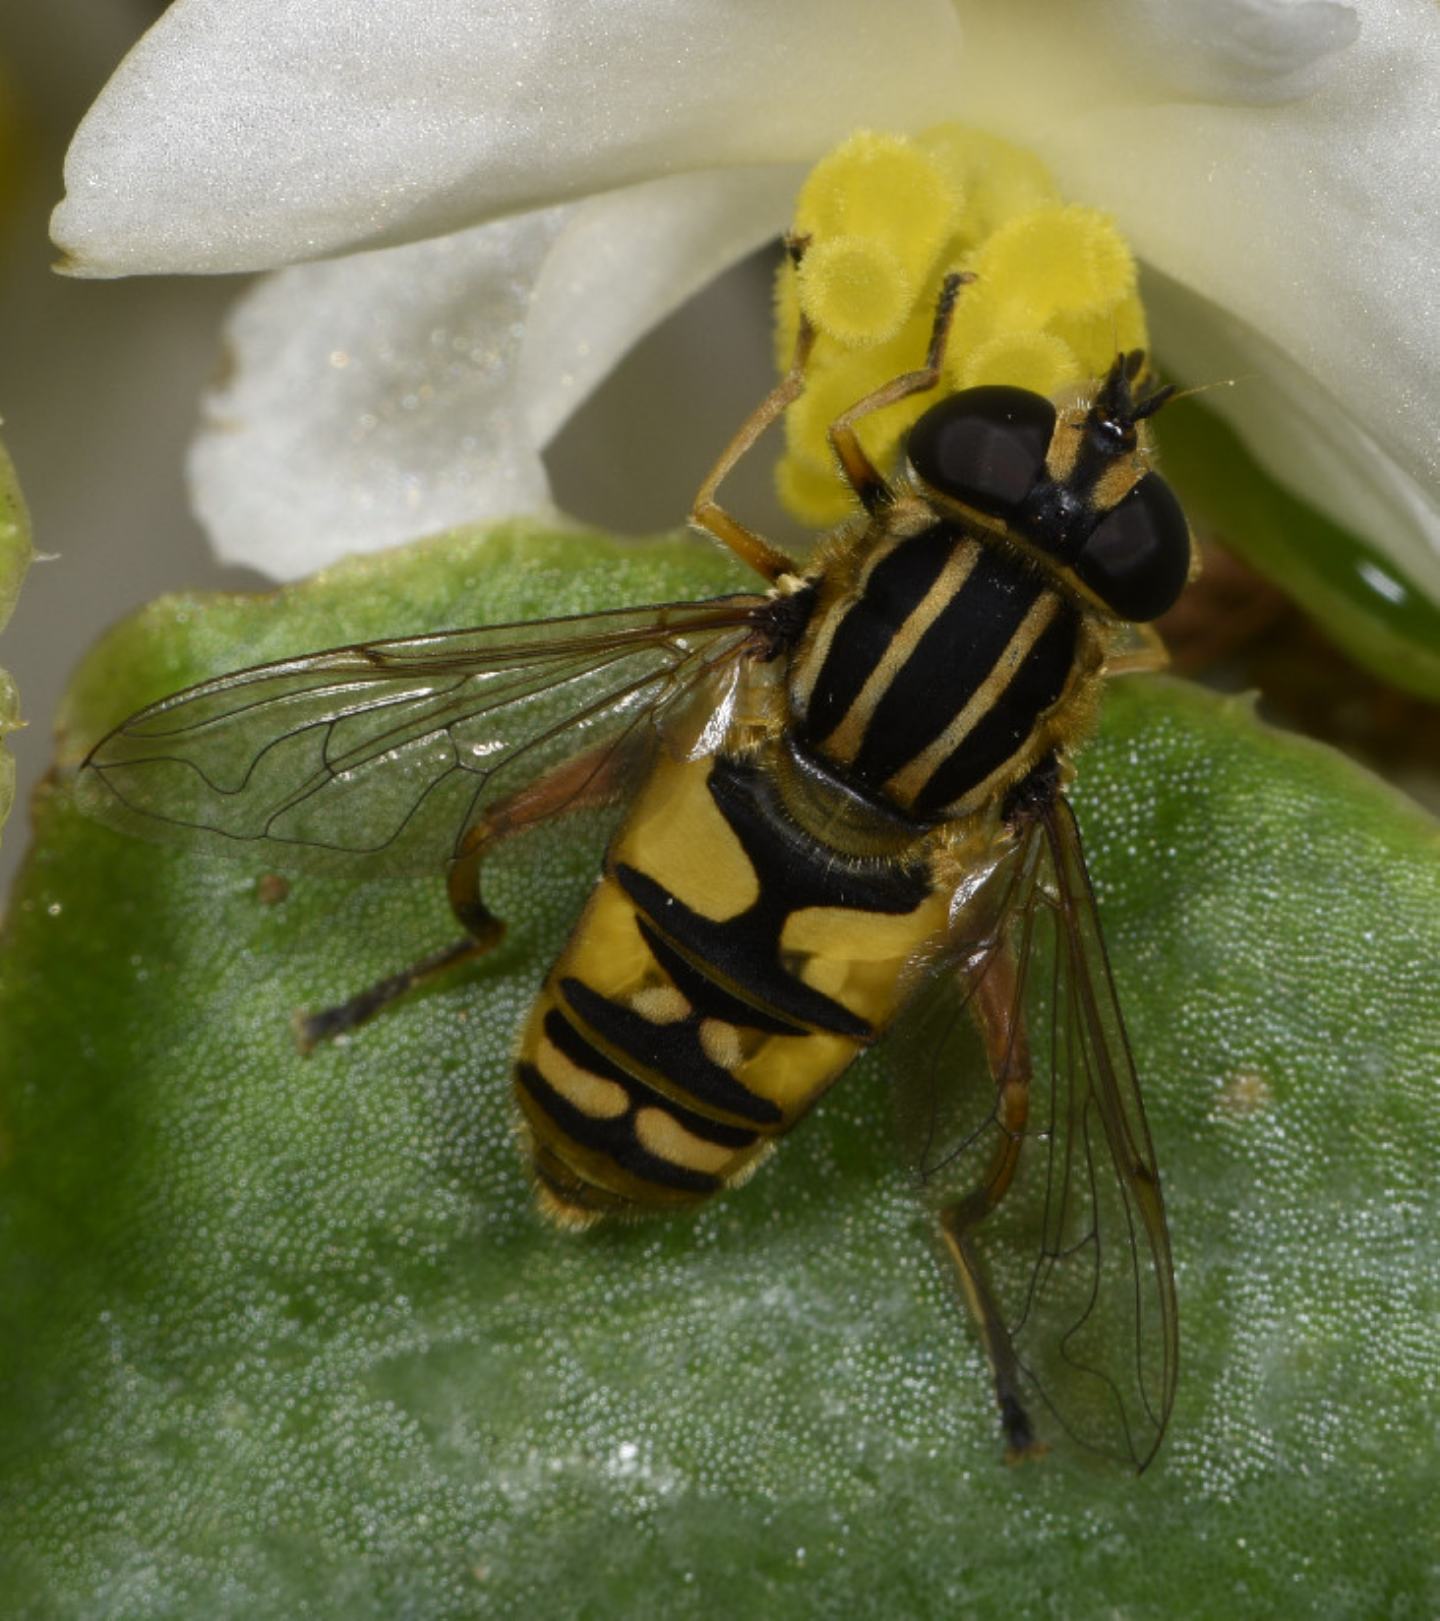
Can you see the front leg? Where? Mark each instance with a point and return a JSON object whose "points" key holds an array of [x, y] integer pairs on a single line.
{"points": [[867, 481], [706, 513]]}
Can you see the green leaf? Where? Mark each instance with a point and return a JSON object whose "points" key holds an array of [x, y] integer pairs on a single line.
{"points": [[1361, 598], [15, 556], [286, 1337]]}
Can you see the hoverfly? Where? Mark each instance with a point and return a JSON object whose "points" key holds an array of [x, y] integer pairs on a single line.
{"points": [[840, 805]]}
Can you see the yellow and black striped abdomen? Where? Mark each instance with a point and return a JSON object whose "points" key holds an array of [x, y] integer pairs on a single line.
{"points": [[726, 970], [925, 681]]}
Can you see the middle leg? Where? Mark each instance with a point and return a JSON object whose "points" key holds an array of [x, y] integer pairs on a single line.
{"points": [[864, 477]]}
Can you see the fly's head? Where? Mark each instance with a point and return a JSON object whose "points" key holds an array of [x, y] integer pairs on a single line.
{"points": [[1071, 484]]}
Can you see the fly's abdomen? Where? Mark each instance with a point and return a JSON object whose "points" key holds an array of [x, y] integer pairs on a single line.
{"points": [[925, 683], [724, 973]]}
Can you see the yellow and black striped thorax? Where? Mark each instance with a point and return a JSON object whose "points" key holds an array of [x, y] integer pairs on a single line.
{"points": [[928, 666], [949, 644]]}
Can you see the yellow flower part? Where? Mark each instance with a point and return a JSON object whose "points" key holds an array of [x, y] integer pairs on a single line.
{"points": [[998, 181], [885, 218], [856, 289], [877, 212], [1053, 261], [1036, 360]]}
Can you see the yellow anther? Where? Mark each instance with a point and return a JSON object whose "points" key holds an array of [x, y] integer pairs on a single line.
{"points": [[884, 188], [1053, 301], [1038, 361], [836, 380], [817, 496], [855, 289], [1057, 261], [1097, 339], [996, 180]]}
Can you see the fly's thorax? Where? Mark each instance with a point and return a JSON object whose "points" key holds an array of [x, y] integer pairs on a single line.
{"points": [[939, 664]]}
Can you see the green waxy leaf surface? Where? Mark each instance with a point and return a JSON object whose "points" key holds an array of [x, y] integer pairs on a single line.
{"points": [[286, 1338]]}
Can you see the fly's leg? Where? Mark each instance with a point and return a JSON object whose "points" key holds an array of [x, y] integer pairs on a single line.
{"points": [[861, 473], [587, 780], [1146, 653], [706, 513], [996, 1006]]}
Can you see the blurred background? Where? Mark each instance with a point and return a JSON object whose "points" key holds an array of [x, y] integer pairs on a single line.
{"points": [[99, 391], [100, 383]]}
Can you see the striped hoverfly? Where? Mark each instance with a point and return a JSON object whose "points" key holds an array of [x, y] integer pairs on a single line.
{"points": [[838, 814]]}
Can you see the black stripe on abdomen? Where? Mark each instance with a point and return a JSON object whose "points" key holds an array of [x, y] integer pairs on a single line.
{"points": [[570, 1041], [745, 950], [613, 1137], [792, 872], [672, 1051], [613, 1134], [710, 1000]]}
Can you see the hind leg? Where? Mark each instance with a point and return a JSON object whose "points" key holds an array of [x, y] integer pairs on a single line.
{"points": [[996, 1007], [587, 780]]}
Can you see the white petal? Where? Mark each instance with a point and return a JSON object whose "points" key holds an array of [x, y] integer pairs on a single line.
{"points": [[624, 261], [373, 399], [1302, 435], [411, 389], [1310, 221], [250, 133], [1237, 50]]}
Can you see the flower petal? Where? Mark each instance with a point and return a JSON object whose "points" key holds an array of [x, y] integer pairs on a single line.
{"points": [[1289, 184], [1305, 437], [251, 133], [373, 399], [624, 261], [1238, 50], [411, 389]]}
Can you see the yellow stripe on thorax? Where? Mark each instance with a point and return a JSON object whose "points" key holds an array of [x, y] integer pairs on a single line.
{"points": [[844, 740], [911, 778], [832, 607]]}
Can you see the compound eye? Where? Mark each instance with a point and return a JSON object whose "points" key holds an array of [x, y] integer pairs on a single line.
{"points": [[984, 446], [1137, 557]]}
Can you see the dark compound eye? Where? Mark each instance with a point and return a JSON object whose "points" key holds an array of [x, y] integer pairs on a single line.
{"points": [[984, 446], [1138, 556]]}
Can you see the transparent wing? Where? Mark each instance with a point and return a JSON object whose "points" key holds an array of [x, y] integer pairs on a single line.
{"points": [[387, 751], [1076, 1255]]}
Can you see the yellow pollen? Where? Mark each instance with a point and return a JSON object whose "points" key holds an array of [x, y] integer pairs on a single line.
{"points": [[885, 189], [886, 218], [1038, 361], [856, 289]]}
